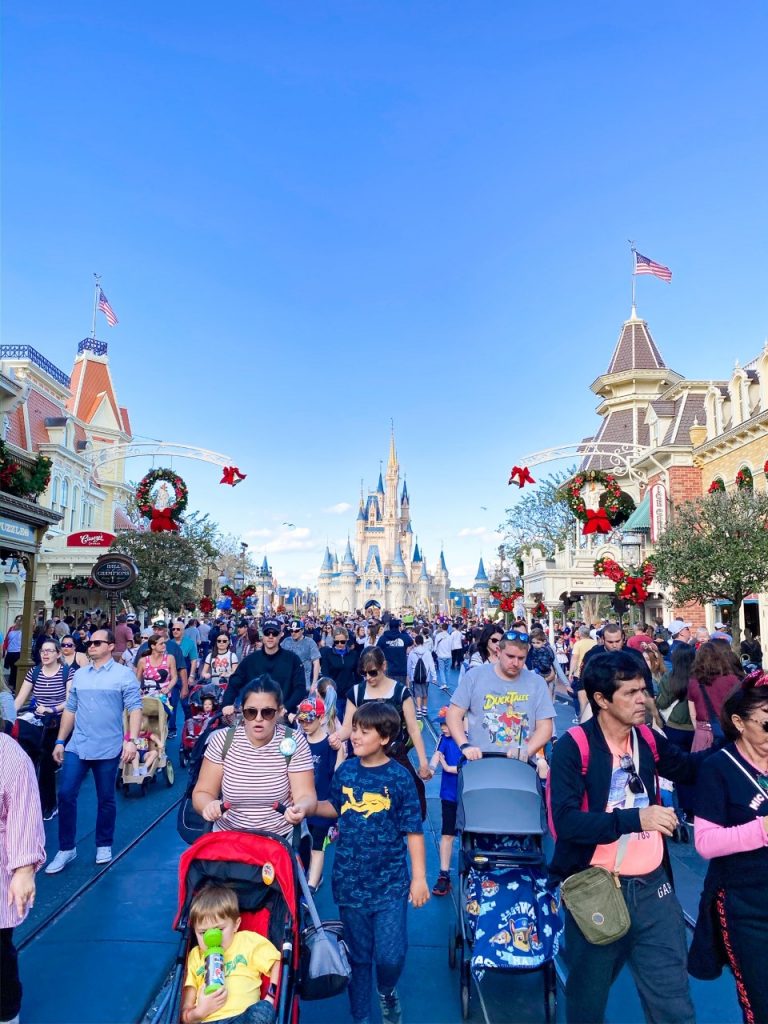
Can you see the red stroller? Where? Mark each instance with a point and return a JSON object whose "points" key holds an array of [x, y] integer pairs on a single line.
{"points": [[269, 904]]}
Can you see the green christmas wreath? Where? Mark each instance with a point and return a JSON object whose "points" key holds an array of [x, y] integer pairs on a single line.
{"points": [[144, 493], [22, 483], [618, 505]]}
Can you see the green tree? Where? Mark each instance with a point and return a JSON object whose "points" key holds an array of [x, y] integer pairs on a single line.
{"points": [[716, 548], [540, 519], [169, 567]]}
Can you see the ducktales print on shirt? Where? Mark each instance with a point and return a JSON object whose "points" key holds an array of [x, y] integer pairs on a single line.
{"points": [[505, 725], [370, 803]]}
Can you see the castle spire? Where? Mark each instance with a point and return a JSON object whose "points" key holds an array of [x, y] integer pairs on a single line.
{"points": [[392, 461]]}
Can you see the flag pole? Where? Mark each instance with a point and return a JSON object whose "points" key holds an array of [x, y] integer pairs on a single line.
{"points": [[97, 288], [634, 275]]}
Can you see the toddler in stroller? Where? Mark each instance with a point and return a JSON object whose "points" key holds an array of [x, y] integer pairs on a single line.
{"points": [[508, 919], [203, 708]]}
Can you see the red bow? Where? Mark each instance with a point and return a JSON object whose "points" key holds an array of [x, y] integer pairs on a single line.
{"points": [[523, 475], [161, 521], [232, 476], [634, 591], [597, 522]]}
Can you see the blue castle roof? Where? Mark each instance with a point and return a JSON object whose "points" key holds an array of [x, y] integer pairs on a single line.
{"points": [[482, 576]]}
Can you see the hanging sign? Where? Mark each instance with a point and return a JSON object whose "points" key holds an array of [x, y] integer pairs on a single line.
{"points": [[659, 509], [90, 539], [114, 572]]}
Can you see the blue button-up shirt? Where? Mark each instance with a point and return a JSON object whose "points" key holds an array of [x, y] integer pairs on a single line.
{"points": [[98, 697]]}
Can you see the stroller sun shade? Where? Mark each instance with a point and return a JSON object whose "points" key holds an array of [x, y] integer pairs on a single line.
{"points": [[500, 795]]}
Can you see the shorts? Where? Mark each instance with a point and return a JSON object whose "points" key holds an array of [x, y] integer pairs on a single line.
{"points": [[319, 834], [449, 817], [420, 690]]}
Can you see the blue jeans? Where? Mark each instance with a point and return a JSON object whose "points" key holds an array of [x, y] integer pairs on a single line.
{"points": [[443, 664], [71, 776], [374, 936], [262, 1012]]}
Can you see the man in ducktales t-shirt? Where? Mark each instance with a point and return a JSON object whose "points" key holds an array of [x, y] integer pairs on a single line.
{"points": [[508, 707]]}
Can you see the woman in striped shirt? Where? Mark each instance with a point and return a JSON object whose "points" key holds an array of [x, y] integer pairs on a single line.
{"points": [[262, 766], [47, 684]]}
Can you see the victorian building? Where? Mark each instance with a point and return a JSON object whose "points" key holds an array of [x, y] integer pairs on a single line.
{"points": [[387, 564], [74, 419], [666, 438]]}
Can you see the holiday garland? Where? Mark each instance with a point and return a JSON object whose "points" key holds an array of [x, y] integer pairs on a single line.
{"points": [[20, 482], [167, 518], [631, 584], [206, 605], [539, 610], [744, 479], [67, 583], [618, 506], [717, 486], [506, 601]]}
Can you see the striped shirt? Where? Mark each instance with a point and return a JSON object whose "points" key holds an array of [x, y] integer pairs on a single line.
{"points": [[22, 839], [50, 691], [255, 778]]}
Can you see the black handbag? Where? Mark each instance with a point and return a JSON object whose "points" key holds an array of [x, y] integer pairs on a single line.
{"points": [[325, 966]]}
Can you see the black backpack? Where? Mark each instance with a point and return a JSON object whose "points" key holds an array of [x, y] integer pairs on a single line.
{"points": [[403, 741], [189, 824], [420, 676]]}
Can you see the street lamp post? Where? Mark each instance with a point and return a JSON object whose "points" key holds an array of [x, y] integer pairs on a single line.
{"points": [[631, 553], [506, 589]]}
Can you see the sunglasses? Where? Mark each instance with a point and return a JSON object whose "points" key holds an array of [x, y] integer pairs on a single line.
{"points": [[65, 646], [177, 629], [94, 643], [494, 639], [371, 672], [271, 632], [516, 634], [251, 714], [634, 783]]}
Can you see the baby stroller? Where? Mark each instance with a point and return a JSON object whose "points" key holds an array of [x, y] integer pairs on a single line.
{"points": [[149, 767], [262, 869], [508, 920], [198, 721]]}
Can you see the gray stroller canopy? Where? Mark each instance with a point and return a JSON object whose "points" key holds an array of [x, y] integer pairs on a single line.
{"points": [[500, 796]]}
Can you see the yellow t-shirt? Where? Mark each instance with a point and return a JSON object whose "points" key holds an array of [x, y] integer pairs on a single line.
{"points": [[247, 959]]}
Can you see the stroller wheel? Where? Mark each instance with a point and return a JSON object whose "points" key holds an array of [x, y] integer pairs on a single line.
{"points": [[169, 773], [452, 940], [182, 757], [465, 1000], [550, 993]]}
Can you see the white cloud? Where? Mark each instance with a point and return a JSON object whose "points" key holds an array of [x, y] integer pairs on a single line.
{"points": [[339, 509], [298, 539], [485, 535], [257, 533]]}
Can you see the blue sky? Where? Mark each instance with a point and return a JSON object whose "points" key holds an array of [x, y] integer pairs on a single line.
{"points": [[312, 217]]}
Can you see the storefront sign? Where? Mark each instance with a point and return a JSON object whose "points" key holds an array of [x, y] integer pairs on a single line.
{"points": [[11, 530], [90, 539], [114, 572], [659, 510]]}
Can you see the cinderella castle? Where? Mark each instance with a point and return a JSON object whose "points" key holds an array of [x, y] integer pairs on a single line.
{"points": [[387, 565]]}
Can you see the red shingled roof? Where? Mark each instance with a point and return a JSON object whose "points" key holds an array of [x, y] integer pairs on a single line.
{"points": [[90, 384], [40, 406], [16, 431]]}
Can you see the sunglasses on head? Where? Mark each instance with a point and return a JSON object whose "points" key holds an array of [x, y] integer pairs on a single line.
{"points": [[251, 714], [516, 634], [634, 783]]}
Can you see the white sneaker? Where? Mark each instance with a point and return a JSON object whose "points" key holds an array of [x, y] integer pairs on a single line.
{"points": [[103, 854], [60, 861]]}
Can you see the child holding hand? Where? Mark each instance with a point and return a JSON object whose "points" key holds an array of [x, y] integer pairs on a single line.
{"points": [[247, 956], [376, 802], [448, 756]]}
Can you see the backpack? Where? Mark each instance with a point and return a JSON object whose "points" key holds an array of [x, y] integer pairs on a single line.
{"points": [[189, 824], [578, 734], [396, 701], [420, 675]]}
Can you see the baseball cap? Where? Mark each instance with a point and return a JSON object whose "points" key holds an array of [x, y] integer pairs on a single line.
{"points": [[159, 624], [242, 623], [678, 626], [442, 714], [272, 624], [638, 643], [311, 708], [394, 623], [296, 625]]}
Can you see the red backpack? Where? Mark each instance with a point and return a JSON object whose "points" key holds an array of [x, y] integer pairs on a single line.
{"points": [[579, 736]]}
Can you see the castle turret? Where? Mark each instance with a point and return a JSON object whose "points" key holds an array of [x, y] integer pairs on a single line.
{"points": [[482, 586], [398, 581], [348, 581]]}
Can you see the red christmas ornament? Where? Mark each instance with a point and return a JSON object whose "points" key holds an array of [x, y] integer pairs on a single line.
{"points": [[232, 476], [162, 521], [521, 476]]}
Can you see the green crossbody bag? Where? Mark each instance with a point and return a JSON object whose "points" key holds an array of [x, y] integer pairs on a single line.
{"points": [[594, 897]]}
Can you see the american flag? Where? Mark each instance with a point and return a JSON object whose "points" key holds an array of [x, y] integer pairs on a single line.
{"points": [[645, 266], [106, 309]]}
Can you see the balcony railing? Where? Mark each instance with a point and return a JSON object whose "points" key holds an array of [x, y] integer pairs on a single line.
{"points": [[99, 348], [27, 352]]}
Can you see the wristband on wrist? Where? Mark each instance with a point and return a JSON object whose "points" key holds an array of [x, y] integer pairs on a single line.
{"points": [[465, 745], [62, 742]]}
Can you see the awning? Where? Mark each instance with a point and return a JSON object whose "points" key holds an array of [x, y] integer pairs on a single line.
{"points": [[641, 517]]}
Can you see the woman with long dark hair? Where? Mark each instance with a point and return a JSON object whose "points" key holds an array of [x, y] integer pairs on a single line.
{"points": [[488, 645], [713, 680], [672, 699], [731, 828]]}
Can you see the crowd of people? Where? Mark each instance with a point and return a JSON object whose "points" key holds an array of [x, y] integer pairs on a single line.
{"points": [[323, 736]]}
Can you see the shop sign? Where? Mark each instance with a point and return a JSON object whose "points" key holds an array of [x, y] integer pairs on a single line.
{"points": [[90, 539], [659, 507], [114, 572], [11, 530]]}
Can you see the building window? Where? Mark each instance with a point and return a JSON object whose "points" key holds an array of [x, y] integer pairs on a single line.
{"points": [[64, 493], [55, 492], [83, 514], [75, 508], [90, 515]]}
